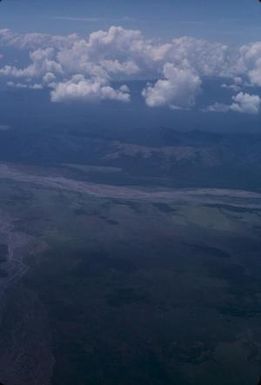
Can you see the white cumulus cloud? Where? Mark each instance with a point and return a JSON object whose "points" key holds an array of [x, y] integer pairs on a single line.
{"points": [[80, 88], [87, 66], [246, 103], [178, 88], [242, 102]]}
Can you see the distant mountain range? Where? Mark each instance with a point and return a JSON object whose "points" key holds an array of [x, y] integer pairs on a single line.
{"points": [[167, 157]]}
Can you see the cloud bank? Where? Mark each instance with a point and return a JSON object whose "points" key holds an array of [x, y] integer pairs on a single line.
{"points": [[85, 68]]}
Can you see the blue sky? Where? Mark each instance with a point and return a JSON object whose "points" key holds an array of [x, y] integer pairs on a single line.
{"points": [[236, 21]]}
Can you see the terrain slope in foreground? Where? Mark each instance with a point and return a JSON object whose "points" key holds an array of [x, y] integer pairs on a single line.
{"points": [[112, 285]]}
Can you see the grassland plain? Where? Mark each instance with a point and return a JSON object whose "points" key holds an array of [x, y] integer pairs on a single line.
{"points": [[104, 285]]}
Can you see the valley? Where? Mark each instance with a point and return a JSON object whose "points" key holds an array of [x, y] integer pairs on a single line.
{"points": [[127, 284]]}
